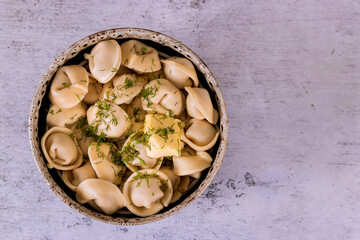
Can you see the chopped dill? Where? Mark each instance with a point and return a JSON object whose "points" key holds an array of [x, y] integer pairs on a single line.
{"points": [[51, 112], [78, 96], [164, 132], [164, 185], [72, 118], [143, 50], [114, 171], [66, 85], [128, 83], [148, 92]]}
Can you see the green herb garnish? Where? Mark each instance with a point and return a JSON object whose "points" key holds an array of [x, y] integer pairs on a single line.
{"points": [[148, 92], [164, 132], [50, 112], [66, 85], [72, 118], [143, 50]]}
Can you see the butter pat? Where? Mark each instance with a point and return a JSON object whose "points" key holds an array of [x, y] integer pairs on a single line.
{"points": [[165, 134]]}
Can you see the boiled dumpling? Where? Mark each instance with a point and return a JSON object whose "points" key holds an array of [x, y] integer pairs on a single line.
{"points": [[122, 89], [188, 165], [104, 60], [62, 117], [140, 57], [61, 149], [199, 105], [134, 153], [200, 134], [147, 192], [163, 97], [69, 86], [101, 159], [101, 194], [109, 119], [73, 178], [180, 71]]}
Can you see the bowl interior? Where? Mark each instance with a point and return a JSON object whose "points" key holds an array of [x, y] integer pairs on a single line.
{"points": [[69, 197]]}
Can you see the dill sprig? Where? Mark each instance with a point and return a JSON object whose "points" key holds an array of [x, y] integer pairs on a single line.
{"points": [[128, 154], [164, 132], [128, 83], [147, 93], [87, 130], [143, 50], [104, 113], [164, 185], [51, 111], [66, 85], [140, 176]]}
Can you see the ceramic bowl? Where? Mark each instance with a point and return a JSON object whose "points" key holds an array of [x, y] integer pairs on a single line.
{"points": [[74, 55]]}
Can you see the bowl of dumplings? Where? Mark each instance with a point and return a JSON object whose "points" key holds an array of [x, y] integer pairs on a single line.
{"points": [[128, 126]]}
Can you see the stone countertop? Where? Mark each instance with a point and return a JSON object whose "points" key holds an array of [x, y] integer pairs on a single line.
{"points": [[290, 75]]}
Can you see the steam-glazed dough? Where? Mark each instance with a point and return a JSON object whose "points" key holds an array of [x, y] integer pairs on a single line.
{"points": [[109, 119], [199, 105], [140, 57], [147, 192], [180, 71], [122, 89], [187, 165], [200, 134], [106, 196], [69, 86], [62, 117], [73, 178], [134, 153], [104, 60], [60, 149], [101, 159], [94, 90], [164, 97]]}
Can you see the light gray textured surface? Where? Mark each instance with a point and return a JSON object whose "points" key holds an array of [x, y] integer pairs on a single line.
{"points": [[289, 71]]}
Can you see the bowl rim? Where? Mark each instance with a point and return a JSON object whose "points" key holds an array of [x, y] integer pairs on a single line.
{"points": [[124, 33]]}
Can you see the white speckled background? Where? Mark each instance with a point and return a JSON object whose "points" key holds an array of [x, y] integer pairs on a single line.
{"points": [[289, 71]]}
